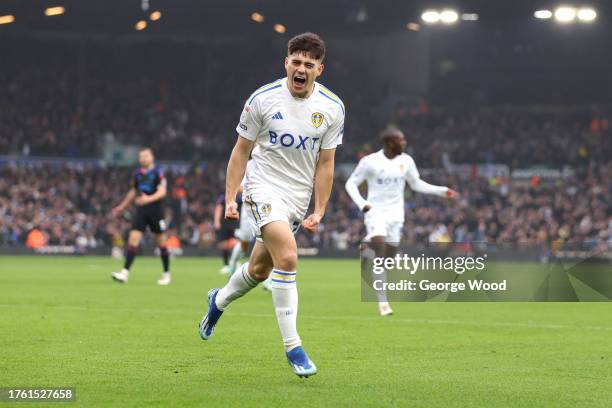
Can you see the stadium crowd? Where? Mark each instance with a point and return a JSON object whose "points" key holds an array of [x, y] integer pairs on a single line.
{"points": [[71, 206], [178, 123], [63, 110], [81, 110]]}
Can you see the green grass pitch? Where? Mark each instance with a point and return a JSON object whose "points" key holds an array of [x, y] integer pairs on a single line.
{"points": [[63, 322]]}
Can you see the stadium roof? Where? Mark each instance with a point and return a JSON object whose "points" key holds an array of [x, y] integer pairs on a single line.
{"points": [[227, 17]]}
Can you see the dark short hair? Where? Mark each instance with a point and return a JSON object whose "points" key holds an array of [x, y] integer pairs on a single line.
{"points": [[149, 149], [307, 43], [389, 133]]}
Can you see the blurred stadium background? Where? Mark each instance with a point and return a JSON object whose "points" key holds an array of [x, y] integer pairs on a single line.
{"points": [[507, 102]]}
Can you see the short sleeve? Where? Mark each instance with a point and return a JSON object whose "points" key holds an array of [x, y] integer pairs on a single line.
{"points": [[250, 120], [335, 133]]}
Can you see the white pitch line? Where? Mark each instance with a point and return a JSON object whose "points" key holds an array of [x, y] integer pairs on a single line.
{"points": [[446, 322], [529, 325]]}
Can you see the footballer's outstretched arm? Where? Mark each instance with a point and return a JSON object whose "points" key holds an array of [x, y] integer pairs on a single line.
{"points": [[424, 187], [324, 179], [129, 197], [235, 172], [352, 186], [420, 186]]}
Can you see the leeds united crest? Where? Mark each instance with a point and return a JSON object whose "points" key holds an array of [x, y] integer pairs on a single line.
{"points": [[317, 119]]}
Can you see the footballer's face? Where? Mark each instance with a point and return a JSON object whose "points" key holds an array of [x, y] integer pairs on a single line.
{"points": [[397, 143], [145, 158], [302, 71]]}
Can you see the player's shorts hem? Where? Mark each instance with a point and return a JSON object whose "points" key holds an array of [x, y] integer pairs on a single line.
{"points": [[267, 221], [243, 235], [368, 238], [391, 230]]}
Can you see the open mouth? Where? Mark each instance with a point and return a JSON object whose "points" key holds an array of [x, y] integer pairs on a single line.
{"points": [[299, 81]]}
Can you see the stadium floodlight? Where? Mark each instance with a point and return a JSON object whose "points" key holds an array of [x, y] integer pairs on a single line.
{"points": [[449, 16], [565, 14], [587, 15], [543, 14], [257, 17], [413, 26], [279, 28], [430, 16], [141, 25], [470, 17], [7, 19], [54, 11], [156, 15]]}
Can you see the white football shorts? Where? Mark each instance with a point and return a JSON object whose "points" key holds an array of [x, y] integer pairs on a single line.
{"points": [[246, 230], [264, 208], [381, 225]]}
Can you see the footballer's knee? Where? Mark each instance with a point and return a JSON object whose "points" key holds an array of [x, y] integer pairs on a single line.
{"points": [[377, 243], [286, 261], [160, 239], [134, 238], [259, 271]]}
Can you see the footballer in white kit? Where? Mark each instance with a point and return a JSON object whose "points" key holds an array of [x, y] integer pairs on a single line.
{"points": [[288, 133], [290, 129], [386, 173]]}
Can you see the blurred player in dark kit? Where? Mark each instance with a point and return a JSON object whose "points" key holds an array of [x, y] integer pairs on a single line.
{"points": [[148, 192]]}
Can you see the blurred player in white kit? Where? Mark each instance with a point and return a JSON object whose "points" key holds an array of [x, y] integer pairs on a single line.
{"points": [[386, 173]]}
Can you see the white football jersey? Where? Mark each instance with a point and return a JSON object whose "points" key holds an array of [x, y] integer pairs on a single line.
{"points": [[386, 179], [288, 133]]}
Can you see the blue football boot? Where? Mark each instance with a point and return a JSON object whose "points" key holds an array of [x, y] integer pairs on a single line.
{"points": [[301, 365], [210, 319]]}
